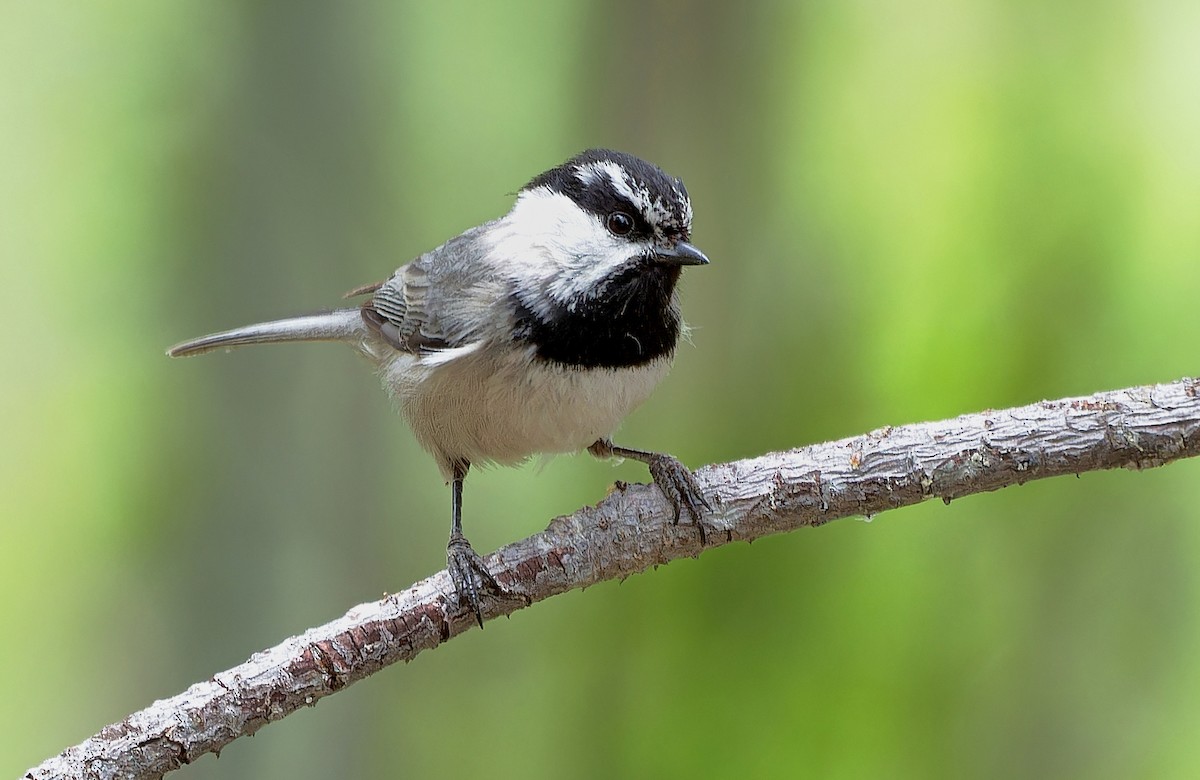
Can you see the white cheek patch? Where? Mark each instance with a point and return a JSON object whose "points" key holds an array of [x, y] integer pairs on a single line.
{"points": [[548, 243], [566, 287]]}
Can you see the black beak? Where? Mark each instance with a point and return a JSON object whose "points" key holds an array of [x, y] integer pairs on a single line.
{"points": [[682, 253]]}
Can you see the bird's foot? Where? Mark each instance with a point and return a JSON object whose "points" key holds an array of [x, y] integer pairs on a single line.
{"points": [[470, 575], [678, 484]]}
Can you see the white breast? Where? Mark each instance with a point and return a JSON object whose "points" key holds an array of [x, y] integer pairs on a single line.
{"points": [[484, 408]]}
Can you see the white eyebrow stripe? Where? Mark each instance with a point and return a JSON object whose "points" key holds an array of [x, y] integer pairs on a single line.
{"points": [[638, 197], [588, 173], [655, 210]]}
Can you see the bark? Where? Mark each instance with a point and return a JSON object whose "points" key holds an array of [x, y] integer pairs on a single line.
{"points": [[632, 530]]}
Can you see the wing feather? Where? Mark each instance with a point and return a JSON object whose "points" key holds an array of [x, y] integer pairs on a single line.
{"points": [[439, 301]]}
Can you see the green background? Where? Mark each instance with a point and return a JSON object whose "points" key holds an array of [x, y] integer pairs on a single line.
{"points": [[914, 210]]}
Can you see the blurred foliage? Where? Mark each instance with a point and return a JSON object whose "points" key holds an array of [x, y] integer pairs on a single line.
{"points": [[915, 209]]}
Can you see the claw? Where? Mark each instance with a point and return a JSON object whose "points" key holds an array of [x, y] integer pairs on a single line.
{"points": [[469, 575], [680, 487]]}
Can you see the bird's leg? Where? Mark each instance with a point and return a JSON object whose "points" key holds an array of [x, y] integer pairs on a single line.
{"points": [[467, 570], [672, 477]]}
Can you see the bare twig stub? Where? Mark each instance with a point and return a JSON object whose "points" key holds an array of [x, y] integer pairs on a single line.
{"points": [[631, 531]]}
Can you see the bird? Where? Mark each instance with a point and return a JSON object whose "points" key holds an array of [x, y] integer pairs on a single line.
{"points": [[535, 333]]}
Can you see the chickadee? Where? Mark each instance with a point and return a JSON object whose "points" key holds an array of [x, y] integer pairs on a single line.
{"points": [[534, 333]]}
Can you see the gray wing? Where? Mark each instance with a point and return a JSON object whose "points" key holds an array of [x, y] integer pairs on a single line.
{"points": [[442, 300]]}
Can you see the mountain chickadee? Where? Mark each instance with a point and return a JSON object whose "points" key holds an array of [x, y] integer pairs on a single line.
{"points": [[534, 333]]}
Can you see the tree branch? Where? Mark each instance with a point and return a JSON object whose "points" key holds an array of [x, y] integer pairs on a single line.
{"points": [[631, 531]]}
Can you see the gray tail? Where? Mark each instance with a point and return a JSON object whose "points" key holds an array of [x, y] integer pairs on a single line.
{"points": [[338, 325]]}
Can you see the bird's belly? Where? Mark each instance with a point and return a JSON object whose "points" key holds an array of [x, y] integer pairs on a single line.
{"points": [[480, 408]]}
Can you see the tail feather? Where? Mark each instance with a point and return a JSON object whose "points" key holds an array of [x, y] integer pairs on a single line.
{"points": [[338, 325]]}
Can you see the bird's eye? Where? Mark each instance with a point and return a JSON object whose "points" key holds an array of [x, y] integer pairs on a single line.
{"points": [[620, 223]]}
